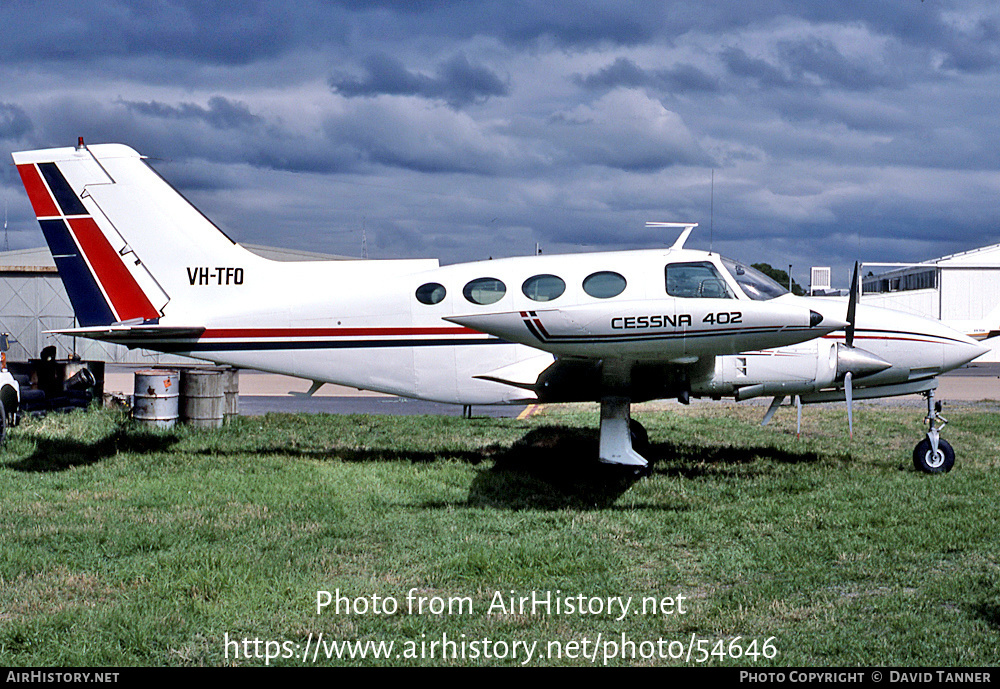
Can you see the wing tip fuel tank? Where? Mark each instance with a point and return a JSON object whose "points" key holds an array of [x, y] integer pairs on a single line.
{"points": [[655, 329]]}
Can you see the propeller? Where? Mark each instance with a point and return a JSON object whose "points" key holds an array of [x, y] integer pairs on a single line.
{"points": [[852, 308], [798, 416], [850, 404], [852, 362]]}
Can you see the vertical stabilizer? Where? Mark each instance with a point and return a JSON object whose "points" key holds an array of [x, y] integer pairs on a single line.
{"points": [[122, 238]]}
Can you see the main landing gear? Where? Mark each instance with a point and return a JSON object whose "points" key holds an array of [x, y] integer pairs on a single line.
{"points": [[620, 435], [933, 454]]}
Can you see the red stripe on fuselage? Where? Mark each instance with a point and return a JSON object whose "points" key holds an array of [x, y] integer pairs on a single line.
{"points": [[38, 193], [127, 298], [212, 333], [910, 338]]}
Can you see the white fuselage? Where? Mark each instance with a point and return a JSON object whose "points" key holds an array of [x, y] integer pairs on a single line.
{"points": [[361, 324]]}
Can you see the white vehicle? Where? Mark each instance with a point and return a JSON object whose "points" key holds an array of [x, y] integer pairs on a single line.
{"points": [[10, 391], [143, 267]]}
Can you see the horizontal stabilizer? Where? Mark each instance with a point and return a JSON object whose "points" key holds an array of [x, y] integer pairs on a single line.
{"points": [[125, 334]]}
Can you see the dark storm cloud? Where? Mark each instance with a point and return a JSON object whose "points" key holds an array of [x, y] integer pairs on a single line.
{"points": [[414, 134], [221, 113], [220, 32], [820, 59], [755, 68], [975, 50], [456, 81], [590, 115], [811, 63], [212, 31], [622, 72], [681, 78], [589, 22], [627, 130], [223, 132], [14, 121]]}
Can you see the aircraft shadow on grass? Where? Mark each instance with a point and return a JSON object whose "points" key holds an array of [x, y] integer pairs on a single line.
{"points": [[989, 612], [556, 467], [60, 454], [552, 467]]}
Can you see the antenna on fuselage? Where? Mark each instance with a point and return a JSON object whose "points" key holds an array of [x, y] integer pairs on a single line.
{"points": [[711, 215], [688, 226]]}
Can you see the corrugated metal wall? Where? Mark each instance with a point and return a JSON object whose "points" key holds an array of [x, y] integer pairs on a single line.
{"points": [[33, 301], [969, 293]]}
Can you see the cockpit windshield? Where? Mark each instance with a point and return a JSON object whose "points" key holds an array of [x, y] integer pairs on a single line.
{"points": [[754, 283]]}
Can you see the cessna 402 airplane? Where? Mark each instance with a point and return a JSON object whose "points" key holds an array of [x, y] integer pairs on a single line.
{"points": [[144, 268]]}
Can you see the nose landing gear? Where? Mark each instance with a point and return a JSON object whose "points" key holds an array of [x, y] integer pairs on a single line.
{"points": [[933, 454]]}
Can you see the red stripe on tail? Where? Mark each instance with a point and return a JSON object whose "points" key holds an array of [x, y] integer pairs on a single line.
{"points": [[38, 193], [127, 298]]}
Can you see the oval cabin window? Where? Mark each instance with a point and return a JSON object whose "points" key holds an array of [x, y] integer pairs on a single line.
{"points": [[431, 293], [543, 287], [484, 291], [604, 285]]}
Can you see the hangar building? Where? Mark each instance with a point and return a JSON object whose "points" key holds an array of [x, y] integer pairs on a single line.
{"points": [[33, 300], [963, 290]]}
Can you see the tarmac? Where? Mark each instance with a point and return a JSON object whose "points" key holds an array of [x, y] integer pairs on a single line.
{"points": [[973, 383], [261, 393]]}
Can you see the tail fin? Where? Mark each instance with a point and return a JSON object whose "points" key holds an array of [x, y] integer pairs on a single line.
{"points": [[985, 328], [122, 238]]}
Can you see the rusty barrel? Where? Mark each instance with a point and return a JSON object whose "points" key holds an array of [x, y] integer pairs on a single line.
{"points": [[155, 400]]}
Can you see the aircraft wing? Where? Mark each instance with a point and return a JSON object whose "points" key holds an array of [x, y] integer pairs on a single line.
{"points": [[872, 392]]}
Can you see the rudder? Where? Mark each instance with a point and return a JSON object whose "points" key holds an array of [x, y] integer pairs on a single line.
{"points": [[100, 286], [121, 237]]}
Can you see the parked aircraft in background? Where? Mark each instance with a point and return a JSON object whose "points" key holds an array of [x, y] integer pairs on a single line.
{"points": [[144, 268], [985, 328]]}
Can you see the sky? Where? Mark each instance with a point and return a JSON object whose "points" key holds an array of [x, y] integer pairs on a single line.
{"points": [[803, 133]]}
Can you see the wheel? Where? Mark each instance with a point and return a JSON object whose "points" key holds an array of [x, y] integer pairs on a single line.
{"points": [[3, 424], [638, 435], [928, 461]]}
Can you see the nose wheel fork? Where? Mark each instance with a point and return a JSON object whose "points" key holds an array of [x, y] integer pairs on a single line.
{"points": [[933, 454]]}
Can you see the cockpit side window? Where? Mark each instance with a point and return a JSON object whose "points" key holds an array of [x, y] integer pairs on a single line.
{"points": [[698, 279], [754, 283]]}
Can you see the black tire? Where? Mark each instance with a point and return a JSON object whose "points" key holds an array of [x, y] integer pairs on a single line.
{"points": [[3, 424], [926, 461], [639, 436]]}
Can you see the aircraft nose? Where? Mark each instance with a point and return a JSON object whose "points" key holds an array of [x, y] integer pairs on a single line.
{"points": [[829, 323], [961, 352]]}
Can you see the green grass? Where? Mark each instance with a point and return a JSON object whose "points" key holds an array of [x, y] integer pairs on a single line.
{"points": [[123, 546]]}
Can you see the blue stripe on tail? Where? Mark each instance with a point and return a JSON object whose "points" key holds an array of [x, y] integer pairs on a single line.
{"points": [[84, 293]]}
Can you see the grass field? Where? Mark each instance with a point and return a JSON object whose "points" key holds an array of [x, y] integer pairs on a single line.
{"points": [[746, 546]]}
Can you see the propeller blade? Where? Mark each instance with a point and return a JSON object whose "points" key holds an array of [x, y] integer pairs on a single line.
{"points": [[798, 416], [850, 402], [852, 305], [775, 403]]}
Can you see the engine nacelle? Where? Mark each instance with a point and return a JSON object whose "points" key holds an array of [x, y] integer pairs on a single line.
{"points": [[795, 370]]}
